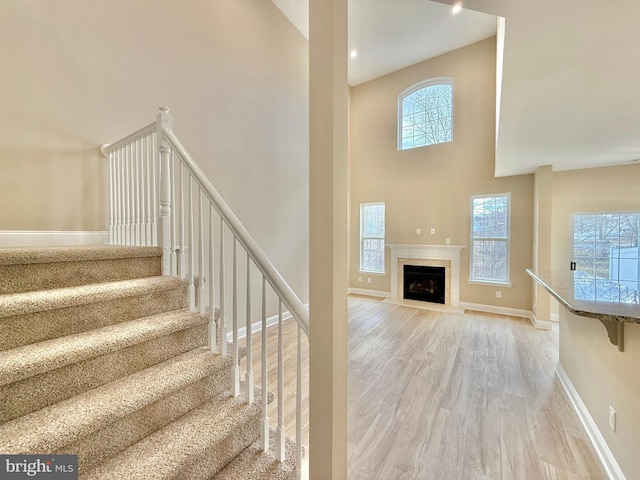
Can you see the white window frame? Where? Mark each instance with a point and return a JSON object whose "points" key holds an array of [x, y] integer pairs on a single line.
{"points": [[414, 88], [363, 238], [572, 246], [507, 240]]}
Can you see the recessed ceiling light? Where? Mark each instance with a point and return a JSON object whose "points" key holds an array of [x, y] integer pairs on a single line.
{"points": [[457, 8], [353, 53]]}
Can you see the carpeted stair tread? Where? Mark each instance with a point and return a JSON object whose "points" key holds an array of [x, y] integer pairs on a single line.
{"points": [[24, 303], [30, 255], [52, 427], [30, 360], [254, 464], [182, 448], [24, 270]]}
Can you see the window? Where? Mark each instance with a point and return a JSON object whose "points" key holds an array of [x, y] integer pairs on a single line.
{"points": [[606, 253], [425, 114], [490, 225], [372, 237]]}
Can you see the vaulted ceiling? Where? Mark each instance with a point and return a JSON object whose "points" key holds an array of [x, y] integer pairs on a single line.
{"points": [[570, 93]]}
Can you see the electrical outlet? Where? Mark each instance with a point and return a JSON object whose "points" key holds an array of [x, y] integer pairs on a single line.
{"points": [[359, 279], [418, 231], [433, 231], [612, 418], [447, 241], [498, 294], [368, 279]]}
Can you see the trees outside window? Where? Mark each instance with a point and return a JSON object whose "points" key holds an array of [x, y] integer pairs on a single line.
{"points": [[490, 236], [372, 237], [607, 256], [425, 114]]}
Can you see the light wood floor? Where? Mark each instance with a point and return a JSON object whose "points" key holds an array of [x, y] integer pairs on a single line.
{"points": [[440, 396]]}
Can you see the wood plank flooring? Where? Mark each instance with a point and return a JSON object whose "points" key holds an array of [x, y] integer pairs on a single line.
{"points": [[447, 397]]}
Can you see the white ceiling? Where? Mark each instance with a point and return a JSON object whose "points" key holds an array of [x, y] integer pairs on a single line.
{"points": [[390, 35], [571, 72]]}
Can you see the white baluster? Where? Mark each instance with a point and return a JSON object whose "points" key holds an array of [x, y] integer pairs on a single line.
{"points": [[213, 332], [144, 163], [264, 422], [120, 198], [112, 199], [125, 176], [163, 120], [235, 389], [177, 214], [249, 325], [153, 207], [223, 324], [131, 192], [182, 261], [299, 406], [202, 292], [280, 430], [192, 250], [141, 191], [165, 210], [136, 190]]}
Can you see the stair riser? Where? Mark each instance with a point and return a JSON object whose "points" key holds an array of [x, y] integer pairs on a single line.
{"points": [[219, 454], [28, 395], [44, 276], [20, 330], [116, 437]]}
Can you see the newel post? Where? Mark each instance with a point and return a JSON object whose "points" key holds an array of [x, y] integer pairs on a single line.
{"points": [[164, 120]]}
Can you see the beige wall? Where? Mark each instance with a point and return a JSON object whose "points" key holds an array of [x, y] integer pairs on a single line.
{"points": [[607, 189], [78, 73], [430, 187], [601, 374]]}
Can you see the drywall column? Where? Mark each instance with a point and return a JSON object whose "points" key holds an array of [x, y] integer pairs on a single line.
{"points": [[328, 110], [542, 203]]}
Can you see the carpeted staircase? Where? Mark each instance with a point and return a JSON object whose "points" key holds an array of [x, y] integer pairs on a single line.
{"points": [[100, 357]]}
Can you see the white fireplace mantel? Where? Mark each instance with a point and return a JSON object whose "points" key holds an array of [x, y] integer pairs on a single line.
{"points": [[426, 252]]}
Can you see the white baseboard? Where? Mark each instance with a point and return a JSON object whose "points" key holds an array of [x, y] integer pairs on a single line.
{"points": [[602, 449], [29, 238], [541, 324], [369, 293], [514, 312], [257, 326]]}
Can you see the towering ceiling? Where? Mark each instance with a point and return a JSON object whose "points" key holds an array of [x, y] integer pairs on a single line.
{"points": [[570, 93]]}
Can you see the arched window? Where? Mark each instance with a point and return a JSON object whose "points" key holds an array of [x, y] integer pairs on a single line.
{"points": [[425, 113]]}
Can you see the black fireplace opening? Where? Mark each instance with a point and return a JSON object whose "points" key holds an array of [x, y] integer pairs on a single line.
{"points": [[424, 283]]}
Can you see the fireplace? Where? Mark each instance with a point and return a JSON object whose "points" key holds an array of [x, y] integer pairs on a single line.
{"points": [[446, 257], [424, 283]]}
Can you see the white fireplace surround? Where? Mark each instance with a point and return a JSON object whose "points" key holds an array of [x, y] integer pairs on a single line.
{"points": [[400, 253]]}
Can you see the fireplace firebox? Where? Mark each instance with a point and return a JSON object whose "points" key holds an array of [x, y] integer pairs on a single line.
{"points": [[424, 283]]}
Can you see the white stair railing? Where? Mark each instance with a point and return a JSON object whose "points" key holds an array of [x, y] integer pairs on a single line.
{"points": [[151, 171]]}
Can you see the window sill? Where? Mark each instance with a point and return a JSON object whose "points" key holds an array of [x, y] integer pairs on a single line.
{"points": [[489, 282], [365, 272]]}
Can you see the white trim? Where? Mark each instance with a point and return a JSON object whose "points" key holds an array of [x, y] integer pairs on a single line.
{"points": [[597, 440], [541, 324], [368, 293], [429, 82], [257, 326], [363, 207], [506, 240], [29, 238], [554, 317], [514, 312]]}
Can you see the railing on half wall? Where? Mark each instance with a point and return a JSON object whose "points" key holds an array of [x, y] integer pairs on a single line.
{"points": [[160, 197]]}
